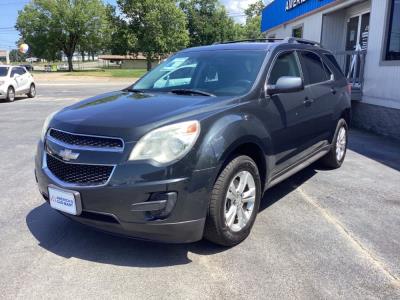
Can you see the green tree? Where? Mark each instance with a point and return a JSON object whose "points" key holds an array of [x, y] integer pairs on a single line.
{"points": [[50, 26], [122, 40], [255, 9], [16, 56], [160, 26], [252, 28], [208, 22]]}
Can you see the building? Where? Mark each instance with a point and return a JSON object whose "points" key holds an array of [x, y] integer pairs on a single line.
{"points": [[4, 57], [365, 37], [138, 61]]}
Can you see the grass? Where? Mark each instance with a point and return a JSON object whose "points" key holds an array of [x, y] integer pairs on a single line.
{"points": [[121, 73]]}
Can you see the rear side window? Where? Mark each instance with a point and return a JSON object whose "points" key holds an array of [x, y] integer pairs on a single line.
{"points": [[285, 65], [334, 62], [313, 68], [21, 71]]}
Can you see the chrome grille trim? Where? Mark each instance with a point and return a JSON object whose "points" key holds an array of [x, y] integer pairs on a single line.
{"points": [[87, 148]]}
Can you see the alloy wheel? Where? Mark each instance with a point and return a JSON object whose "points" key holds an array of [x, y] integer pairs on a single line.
{"points": [[11, 95], [239, 201], [341, 143], [32, 91]]}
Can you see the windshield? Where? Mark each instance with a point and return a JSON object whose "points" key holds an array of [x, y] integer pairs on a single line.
{"points": [[221, 73], [3, 71]]}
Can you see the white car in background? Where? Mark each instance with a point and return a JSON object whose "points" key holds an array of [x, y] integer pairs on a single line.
{"points": [[15, 81]]}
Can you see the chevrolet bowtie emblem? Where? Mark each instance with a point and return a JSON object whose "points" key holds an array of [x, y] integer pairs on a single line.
{"points": [[68, 155]]}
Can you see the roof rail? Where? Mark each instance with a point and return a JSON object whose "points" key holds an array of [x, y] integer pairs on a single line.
{"points": [[293, 40], [289, 40], [249, 40]]}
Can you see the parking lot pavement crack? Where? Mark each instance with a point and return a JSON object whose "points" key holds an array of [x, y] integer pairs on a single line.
{"points": [[364, 251]]}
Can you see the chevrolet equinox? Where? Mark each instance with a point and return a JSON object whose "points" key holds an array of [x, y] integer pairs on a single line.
{"points": [[189, 149]]}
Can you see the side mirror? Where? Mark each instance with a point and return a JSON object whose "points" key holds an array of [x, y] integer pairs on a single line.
{"points": [[286, 84]]}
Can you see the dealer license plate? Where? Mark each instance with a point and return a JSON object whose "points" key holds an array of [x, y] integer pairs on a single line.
{"points": [[65, 200]]}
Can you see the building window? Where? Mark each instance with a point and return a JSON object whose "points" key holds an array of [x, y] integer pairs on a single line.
{"points": [[297, 32], [393, 33]]}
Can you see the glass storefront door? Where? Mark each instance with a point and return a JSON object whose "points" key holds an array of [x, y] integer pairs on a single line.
{"points": [[357, 34]]}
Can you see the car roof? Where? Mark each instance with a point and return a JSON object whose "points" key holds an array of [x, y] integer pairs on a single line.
{"points": [[261, 44]]}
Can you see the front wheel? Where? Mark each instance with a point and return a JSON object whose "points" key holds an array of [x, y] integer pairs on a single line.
{"points": [[32, 91], [234, 203], [335, 157], [10, 94]]}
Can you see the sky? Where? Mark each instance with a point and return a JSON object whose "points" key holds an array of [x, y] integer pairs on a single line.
{"points": [[9, 11]]}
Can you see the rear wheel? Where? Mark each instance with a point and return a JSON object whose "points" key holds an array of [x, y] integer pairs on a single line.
{"points": [[234, 203], [335, 157], [32, 91], [10, 94]]}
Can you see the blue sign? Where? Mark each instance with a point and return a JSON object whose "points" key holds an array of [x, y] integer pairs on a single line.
{"points": [[283, 11]]}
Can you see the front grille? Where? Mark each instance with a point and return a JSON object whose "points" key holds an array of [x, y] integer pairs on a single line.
{"points": [[77, 173], [86, 140]]}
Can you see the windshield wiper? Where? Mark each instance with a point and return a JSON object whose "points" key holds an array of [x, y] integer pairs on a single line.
{"points": [[191, 92]]}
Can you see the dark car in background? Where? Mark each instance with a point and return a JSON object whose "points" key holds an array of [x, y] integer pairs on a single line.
{"points": [[29, 68], [188, 151]]}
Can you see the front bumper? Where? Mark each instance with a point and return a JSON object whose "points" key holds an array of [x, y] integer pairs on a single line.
{"points": [[113, 207], [3, 92]]}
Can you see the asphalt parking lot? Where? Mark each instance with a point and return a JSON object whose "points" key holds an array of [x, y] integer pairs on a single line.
{"points": [[321, 234]]}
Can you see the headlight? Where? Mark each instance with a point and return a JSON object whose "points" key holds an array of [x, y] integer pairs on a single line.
{"points": [[168, 143], [46, 125]]}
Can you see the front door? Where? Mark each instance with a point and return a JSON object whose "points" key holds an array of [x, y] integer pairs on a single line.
{"points": [[288, 117]]}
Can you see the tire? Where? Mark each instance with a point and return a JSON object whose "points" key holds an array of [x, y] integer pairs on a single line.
{"points": [[32, 91], [221, 228], [10, 94], [335, 157]]}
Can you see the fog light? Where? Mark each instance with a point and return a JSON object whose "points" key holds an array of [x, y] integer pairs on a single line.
{"points": [[169, 200], [159, 206]]}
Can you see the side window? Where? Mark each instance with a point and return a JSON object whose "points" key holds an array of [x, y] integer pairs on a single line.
{"points": [[21, 71], [285, 65], [328, 71], [14, 72], [334, 62], [313, 68]]}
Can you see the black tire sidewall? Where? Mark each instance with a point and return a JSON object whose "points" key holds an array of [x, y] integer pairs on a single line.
{"points": [[30, 95], [8, 94], [241, 163]]}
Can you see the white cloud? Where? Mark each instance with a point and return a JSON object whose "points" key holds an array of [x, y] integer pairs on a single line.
{"points": [[236, 8]]}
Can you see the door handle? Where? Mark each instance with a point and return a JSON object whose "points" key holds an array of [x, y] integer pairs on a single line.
{"points": [[333, 91], [308, 101]]}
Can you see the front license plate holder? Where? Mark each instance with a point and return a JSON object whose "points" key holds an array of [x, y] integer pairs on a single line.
{"points": [[65, 200]]}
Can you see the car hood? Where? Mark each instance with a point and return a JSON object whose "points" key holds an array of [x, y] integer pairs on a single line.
{"points": [[130, 115]]}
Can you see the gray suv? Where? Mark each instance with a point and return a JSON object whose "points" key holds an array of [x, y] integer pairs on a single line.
{"points": [[188, 150]]}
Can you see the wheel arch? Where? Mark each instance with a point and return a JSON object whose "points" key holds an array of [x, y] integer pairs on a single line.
{"points": [[232, 135], [251, 148]]}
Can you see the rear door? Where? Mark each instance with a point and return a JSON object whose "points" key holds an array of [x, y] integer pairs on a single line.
{"points": [[24, 78], [16, 79], [288, 118], [319, 83]]}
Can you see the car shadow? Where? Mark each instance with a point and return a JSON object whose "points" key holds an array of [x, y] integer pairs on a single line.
{"points": [[69, 239], [382, 149], [15, 100], [274, 194]]}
